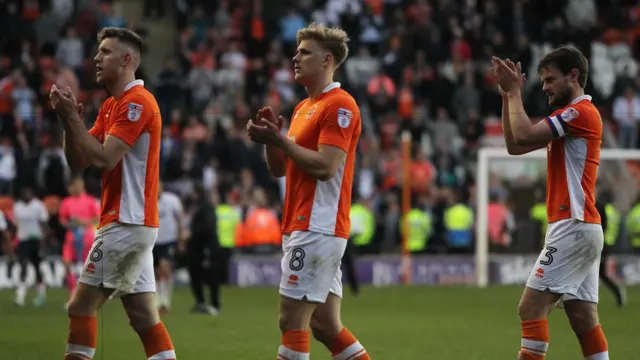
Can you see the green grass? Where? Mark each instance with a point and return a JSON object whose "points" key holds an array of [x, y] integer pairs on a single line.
{"points": [[446, 323]]}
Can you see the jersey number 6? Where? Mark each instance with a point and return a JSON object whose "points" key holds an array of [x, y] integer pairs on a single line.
{"points": [[96, 254], [549, 255]]}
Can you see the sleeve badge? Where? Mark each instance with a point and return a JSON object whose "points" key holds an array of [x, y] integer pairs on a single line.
{"points": [[344, 118], [135, 111]]}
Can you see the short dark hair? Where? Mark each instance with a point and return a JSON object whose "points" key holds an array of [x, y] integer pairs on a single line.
{"points": [[565, 59], [125, 35]]}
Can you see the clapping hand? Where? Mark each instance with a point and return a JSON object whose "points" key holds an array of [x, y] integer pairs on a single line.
{"points": [[64, 103], [266, 127], [509, 75]]}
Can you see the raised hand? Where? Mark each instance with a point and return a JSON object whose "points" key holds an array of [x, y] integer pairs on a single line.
{"points": [[509, 75], [64, 102]]}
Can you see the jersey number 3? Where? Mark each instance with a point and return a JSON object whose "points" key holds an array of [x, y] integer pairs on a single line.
{"points": [[549, 254]]}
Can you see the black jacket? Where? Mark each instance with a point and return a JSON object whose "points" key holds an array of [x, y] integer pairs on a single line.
{"points": [[204, 228]]}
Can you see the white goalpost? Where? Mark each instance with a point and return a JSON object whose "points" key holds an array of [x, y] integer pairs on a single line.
{"points": [[485, 156]]}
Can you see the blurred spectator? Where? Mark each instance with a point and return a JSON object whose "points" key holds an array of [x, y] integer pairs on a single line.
{"points": [[7, 167], [626, 112], [70, 52], [419, 66]]}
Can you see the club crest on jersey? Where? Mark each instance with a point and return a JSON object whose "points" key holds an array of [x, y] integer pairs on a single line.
{"points": [[569, 114], [135, 111], [344, 118]]}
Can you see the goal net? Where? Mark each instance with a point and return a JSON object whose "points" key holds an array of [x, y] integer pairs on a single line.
{"points": [[506, 250]]}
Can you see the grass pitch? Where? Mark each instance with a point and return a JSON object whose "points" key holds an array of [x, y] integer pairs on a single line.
{"points": [[446, 323]]}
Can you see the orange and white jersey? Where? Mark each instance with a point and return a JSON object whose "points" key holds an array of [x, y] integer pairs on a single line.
{"points": [[323, 207], [573, 158], [130, 190]]}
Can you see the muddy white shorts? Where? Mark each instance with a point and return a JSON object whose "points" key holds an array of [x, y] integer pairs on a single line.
{"points": [[311, 266], [121, 258], [569, 264]]}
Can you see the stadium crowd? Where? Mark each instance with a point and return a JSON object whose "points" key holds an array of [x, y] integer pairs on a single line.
{"points": [[419, 65]]}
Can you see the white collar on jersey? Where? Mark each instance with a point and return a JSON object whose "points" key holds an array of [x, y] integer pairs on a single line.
{"points": [[580, 98], [331, 86], [134, 83]]}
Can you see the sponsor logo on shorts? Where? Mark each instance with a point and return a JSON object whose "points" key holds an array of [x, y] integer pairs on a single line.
{"points": [[540, 273], [293, 280], [91, 268]]}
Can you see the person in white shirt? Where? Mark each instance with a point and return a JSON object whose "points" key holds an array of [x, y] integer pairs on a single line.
{"points": [[626, 112], [5, 241], [171, 234], [30, 216]]}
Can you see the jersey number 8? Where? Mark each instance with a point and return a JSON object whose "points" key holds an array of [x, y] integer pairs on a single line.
{"points": [[297, 259]]}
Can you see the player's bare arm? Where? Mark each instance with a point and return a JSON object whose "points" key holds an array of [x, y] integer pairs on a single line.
{"points": [[322, 164], [527, 136], [72, 153], [276, 159], [512, 146], [103, 156]]}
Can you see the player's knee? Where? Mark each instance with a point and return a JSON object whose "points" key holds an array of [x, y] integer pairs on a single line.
{"points": [[141, 311], [86, 301], [324, 331], [294, 314], [79, 307], [142, 320], [583, 316], [528, 309], [290, 320], [535, 304]]}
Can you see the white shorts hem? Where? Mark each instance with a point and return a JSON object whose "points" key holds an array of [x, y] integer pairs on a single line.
{"points": [[299, 296], [567, 294], [560, 290]]}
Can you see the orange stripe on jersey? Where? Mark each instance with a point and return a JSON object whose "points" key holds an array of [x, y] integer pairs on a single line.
{"points": [[130, 190], [332, 119], [573, 158]]}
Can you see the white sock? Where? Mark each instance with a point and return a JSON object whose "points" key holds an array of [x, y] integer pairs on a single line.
{"points": [[41, 289], [21, 292], [161, 292], [284, 353], [169, 291], [599, 356]]}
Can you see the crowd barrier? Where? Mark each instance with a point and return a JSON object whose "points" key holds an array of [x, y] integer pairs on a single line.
{"points": [[383, 270]]}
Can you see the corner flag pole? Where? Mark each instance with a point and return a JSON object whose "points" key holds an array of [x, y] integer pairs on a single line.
{"points": [[406, 206]]}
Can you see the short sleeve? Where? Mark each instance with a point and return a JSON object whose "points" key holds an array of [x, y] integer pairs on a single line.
{"points": [[339, 121], [44, 214], [574, 121], [132, 116], [97, 130]]}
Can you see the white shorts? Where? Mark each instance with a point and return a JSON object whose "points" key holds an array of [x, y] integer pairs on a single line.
{"points": [[121, 258], [311, 266], [569, 264]]}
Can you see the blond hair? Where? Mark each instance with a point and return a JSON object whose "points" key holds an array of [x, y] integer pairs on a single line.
{"points": [[332, 39]]}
